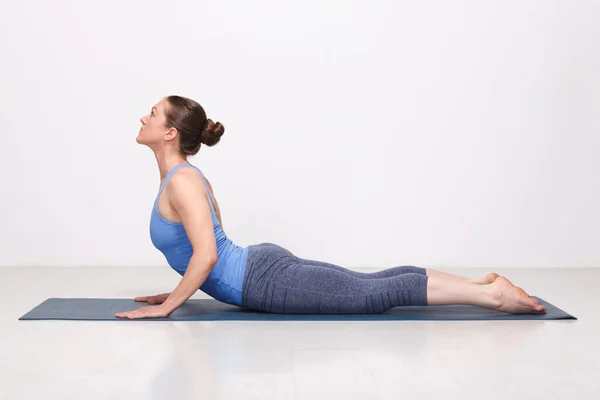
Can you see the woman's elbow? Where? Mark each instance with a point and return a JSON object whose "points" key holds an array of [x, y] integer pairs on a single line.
{"points": [[213, 260], [206, 259]]}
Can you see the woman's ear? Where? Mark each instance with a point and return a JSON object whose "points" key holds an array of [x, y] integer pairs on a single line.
{"points": [[171, 134]]}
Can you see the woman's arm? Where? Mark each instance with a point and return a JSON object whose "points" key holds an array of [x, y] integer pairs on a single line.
{"points": [[187, 196]]}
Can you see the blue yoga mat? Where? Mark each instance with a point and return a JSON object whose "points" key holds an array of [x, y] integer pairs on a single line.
{"points": [[213, 310]]}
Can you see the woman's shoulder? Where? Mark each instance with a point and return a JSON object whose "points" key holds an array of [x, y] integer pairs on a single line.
{"points": [[183, 180]]}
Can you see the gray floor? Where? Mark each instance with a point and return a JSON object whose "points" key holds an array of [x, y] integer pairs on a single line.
{"points": [[292, 360]]}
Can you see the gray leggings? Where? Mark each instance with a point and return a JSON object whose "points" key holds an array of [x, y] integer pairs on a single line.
{"points": [[277, 281]]}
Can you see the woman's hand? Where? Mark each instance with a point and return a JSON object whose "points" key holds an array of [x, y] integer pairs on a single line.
{"points": [[157, 299], [145, 312]]}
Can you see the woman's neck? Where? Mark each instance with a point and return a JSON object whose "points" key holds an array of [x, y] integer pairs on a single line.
{"points": [[166, 161]]}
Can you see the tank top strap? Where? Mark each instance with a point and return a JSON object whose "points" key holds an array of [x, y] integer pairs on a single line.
{"points": [[172, 171], [169, 175], [212, 206]]}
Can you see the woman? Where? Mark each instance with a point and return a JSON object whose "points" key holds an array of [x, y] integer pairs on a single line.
{"points": [[186, 226]]}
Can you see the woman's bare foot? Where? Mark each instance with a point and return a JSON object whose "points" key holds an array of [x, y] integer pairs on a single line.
{"points": [[489, 278], [512, 299]]}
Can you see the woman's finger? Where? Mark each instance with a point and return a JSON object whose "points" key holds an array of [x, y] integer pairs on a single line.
{"points": [[144, 312], [136, 314], [126, 314]]}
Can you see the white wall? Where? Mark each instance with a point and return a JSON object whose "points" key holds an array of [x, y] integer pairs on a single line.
{"points": [[364, 133]]}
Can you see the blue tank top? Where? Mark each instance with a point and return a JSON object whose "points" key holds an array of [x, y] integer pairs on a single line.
{"points": [[224, 282]]}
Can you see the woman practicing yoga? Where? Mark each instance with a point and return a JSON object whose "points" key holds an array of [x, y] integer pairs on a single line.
{"points": [[186, 226]]}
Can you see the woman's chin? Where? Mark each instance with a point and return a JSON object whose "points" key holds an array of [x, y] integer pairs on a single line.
{"points": [[144, 142]]}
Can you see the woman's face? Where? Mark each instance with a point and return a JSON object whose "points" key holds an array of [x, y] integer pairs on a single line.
{"points": [[153, 128]]}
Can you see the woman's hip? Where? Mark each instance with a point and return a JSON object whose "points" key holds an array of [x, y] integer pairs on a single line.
{"points": [[266, 263]]}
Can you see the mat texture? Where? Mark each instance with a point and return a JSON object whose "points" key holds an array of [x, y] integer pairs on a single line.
{"points": [[212, 310]]}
